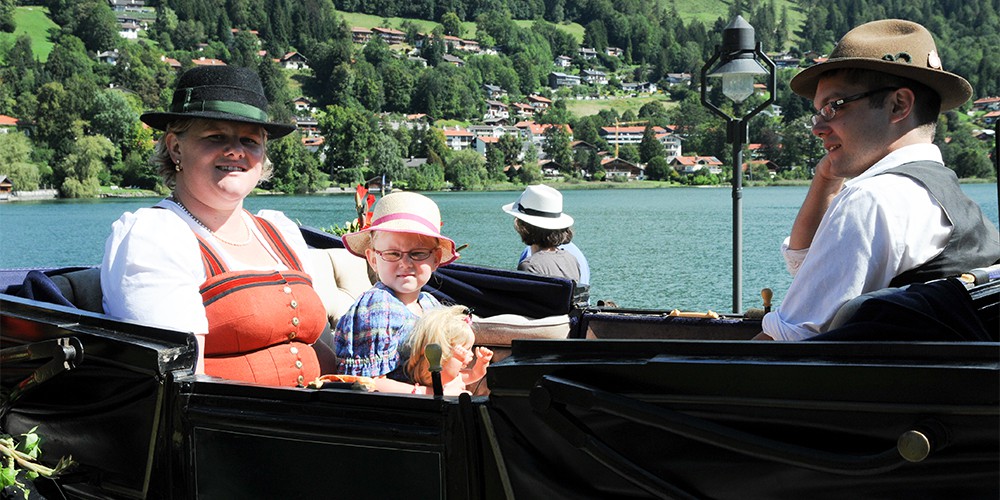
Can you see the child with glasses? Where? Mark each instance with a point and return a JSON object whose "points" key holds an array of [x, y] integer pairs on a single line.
{"points": [[404, 246], [451, 328]]}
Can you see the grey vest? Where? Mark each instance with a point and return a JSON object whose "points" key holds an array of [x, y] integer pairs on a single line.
{"points": [[974, 240]]}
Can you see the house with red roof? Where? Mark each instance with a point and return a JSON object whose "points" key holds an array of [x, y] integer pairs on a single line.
{"points": [[294, 60], [695, 164], [618, 167], [986, 104], [458, 138], [205, 61]]}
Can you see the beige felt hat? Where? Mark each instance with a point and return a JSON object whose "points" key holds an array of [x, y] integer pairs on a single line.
{"points": [[403, 212], [541, 206], [894, 46]]}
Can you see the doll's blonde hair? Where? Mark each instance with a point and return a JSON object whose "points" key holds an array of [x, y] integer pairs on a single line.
{"points": [[445, 326]]}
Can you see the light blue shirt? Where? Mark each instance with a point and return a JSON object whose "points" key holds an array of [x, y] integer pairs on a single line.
{"points": [[575, 252]]}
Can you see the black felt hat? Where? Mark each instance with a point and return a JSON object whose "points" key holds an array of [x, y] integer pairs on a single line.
{"points": [[219, 93]]}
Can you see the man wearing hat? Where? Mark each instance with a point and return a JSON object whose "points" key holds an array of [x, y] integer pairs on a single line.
{"points": [[543, 226], [902, 217]]}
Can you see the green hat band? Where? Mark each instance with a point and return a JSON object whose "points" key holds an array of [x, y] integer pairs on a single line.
{"points": [[233, 108]]}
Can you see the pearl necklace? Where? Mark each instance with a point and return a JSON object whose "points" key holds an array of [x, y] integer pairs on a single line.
{"points": [[216, 236]]}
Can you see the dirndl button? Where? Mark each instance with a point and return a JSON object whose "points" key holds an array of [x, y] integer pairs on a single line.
{"points": [[295, 321], [287, 289], [301, 379], [298, 364], [292, 335], [294, 304], [294, 350]]}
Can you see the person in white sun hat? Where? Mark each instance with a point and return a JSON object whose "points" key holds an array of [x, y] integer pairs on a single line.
{"points": [[405, 246], [548, 233]]}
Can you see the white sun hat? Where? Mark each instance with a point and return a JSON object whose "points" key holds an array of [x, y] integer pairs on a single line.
{"points": [[403, 212], [541, 206]]}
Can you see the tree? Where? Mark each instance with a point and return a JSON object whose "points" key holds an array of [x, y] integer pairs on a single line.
{"points": [[595, 35], [275, 84], [559, 41], [557, 147], [296, 170], [434, 48], [448, 92], [243, 49], [799, 146], [432, 143], [495, 163], [377, 52], [349, 134], [466, 170], [398, 83], [188, 34], [452, 24], [962, 151], [7, 9], [81, 170], [386, 158], [650, 147], [112, 116], [15, 149], [510, 145], [629, 152], [658, 169], [95, 23], [54, 119], [531, 172], [69, 58], [427, 177], [499, 25], [367, 88]]}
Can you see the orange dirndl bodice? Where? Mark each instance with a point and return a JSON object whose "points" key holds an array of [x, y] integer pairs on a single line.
{"points": [[261, 324]]}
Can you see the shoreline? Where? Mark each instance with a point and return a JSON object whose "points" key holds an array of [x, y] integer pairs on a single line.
{"points": [[52, 194]]}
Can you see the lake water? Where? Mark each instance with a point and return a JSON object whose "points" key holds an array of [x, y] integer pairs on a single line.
{"points": [[648, 248]]}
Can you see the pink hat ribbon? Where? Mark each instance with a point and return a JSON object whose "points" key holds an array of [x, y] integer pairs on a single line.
{"points": [[415, 218]]}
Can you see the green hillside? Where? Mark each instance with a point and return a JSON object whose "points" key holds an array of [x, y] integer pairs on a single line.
{"points": [[707, 11], [34, 21], [369, 21]]}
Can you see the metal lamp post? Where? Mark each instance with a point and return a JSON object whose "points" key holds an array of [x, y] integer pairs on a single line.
{"points": [[739, 62]]}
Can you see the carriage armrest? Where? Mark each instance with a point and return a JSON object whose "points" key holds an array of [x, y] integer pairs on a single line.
{"points": [[338, 277], [82, 288]]}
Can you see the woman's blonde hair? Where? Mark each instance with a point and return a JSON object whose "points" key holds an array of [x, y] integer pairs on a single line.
{"points": [[445, 326], [160, 159]]}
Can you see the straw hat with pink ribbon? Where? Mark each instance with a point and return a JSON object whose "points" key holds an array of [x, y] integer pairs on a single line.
{"points": [[403, 212]]}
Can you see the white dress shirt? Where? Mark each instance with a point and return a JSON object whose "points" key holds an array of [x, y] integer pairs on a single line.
{"points": [[152, 268], [877, 227]]}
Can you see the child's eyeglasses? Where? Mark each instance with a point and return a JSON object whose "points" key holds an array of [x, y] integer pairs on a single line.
{"points": [[416, 255]]}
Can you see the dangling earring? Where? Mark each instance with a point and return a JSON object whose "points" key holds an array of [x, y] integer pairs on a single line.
{"points": [[177, 165]]}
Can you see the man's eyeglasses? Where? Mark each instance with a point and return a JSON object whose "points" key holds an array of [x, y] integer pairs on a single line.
{"points": [[416, 255], [829, 110]]}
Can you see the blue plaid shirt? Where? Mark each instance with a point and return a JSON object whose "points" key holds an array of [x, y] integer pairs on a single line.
{"points": [[370, 333]]}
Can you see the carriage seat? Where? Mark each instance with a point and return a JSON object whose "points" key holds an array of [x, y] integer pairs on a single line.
{"points": [[350, 279], [82, 288], [339, 277]]}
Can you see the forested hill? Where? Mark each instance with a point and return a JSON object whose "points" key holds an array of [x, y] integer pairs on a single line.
{"points": [[76, 108], [967, 30]]}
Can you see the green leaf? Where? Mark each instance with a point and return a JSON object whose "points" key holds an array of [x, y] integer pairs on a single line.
{"points": [[30, 443], [8, 477]]}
